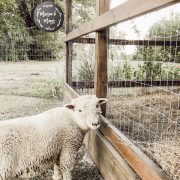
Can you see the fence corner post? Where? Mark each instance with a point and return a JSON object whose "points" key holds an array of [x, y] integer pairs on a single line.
{"points": [[101, 72]]}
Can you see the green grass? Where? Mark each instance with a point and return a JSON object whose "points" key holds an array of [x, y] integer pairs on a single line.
{"points": [[41, 88]]}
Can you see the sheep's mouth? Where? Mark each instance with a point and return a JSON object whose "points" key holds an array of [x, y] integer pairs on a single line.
{"points": [[95, 125]]}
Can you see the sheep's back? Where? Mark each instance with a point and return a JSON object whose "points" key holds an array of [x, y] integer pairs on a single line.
{"points": [[34, 143]]}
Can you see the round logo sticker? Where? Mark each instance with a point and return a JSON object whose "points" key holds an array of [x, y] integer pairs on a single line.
{"points": [[48, 16]]}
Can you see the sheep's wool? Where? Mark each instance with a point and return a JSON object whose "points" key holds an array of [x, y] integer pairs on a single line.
{"points": [[30, 145]]}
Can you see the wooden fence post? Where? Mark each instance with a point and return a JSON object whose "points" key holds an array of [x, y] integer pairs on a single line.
{"points": [[101, 78], [68, 28]]}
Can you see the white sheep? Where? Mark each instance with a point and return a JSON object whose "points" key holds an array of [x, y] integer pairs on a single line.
{"points": [[30, 145]]}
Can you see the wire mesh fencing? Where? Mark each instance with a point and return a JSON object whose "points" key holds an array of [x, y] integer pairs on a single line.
{"points": [[83, 66], [144, 85], [22, 40], [143, 82]]}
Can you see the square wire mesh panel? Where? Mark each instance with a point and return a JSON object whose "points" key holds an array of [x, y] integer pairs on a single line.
{"points": [[144, 84]]}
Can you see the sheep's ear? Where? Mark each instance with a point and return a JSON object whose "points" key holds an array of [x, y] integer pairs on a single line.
{"points": [[102, 101], [70, 106]]}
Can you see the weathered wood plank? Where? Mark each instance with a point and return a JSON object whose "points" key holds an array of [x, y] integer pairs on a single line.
{"points": [[128, 10], [70, 91], [118, 84], [139, 162], [69, 94], [68, 28], [130, 42], [100, 81], [108, 160]]}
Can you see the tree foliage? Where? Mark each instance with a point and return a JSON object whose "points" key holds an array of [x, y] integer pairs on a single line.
{"points": [[21, 40], [13, 32], [167, 29]]}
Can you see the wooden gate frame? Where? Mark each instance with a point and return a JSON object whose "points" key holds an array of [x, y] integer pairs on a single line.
{"points": [[115, 155]]}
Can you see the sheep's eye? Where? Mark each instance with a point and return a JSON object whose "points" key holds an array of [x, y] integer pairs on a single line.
{"points": [[80, 110], [97, 106]]}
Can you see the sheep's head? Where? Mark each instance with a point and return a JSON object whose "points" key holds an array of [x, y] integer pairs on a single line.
{"points": [[87, 110]]}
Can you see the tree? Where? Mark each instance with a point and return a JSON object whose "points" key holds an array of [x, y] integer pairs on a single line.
{"points": [[13, 33], [155, 56], [21, 40], [44, 45], [167, 29], [48, 44]]}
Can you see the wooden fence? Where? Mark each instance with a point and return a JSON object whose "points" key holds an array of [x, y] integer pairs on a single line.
{"points": [[115, 155], [118, 84]]}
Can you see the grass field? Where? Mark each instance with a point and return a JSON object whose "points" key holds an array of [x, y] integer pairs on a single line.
{"points": [[27, 88]]}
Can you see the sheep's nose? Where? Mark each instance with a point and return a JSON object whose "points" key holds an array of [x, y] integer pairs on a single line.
{"points": [[96, 124]]}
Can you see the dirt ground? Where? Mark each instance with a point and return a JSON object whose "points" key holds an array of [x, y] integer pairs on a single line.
{"points": [[152, 123], [28, 88]]}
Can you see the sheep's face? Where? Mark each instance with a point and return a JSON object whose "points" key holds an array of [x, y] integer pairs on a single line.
{"points": [[87, 110]]}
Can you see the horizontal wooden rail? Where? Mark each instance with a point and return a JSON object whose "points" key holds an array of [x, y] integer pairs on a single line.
{"points": [[130, 42], [96, 143], [118, 84], [107, 159], [140, 162], [128, 10]]}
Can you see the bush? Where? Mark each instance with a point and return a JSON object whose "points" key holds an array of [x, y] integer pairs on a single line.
{"points": [[15, 38], [116, 73], [121, 71], [156, 71], [86, 71]]}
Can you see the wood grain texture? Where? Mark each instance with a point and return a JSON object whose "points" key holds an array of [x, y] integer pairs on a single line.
{"points": [[140, 163], [108, 160], [68, 16], [128, 10], [68, 28], [72, 94], [101, 78], [128, 84], [130, 42]]}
